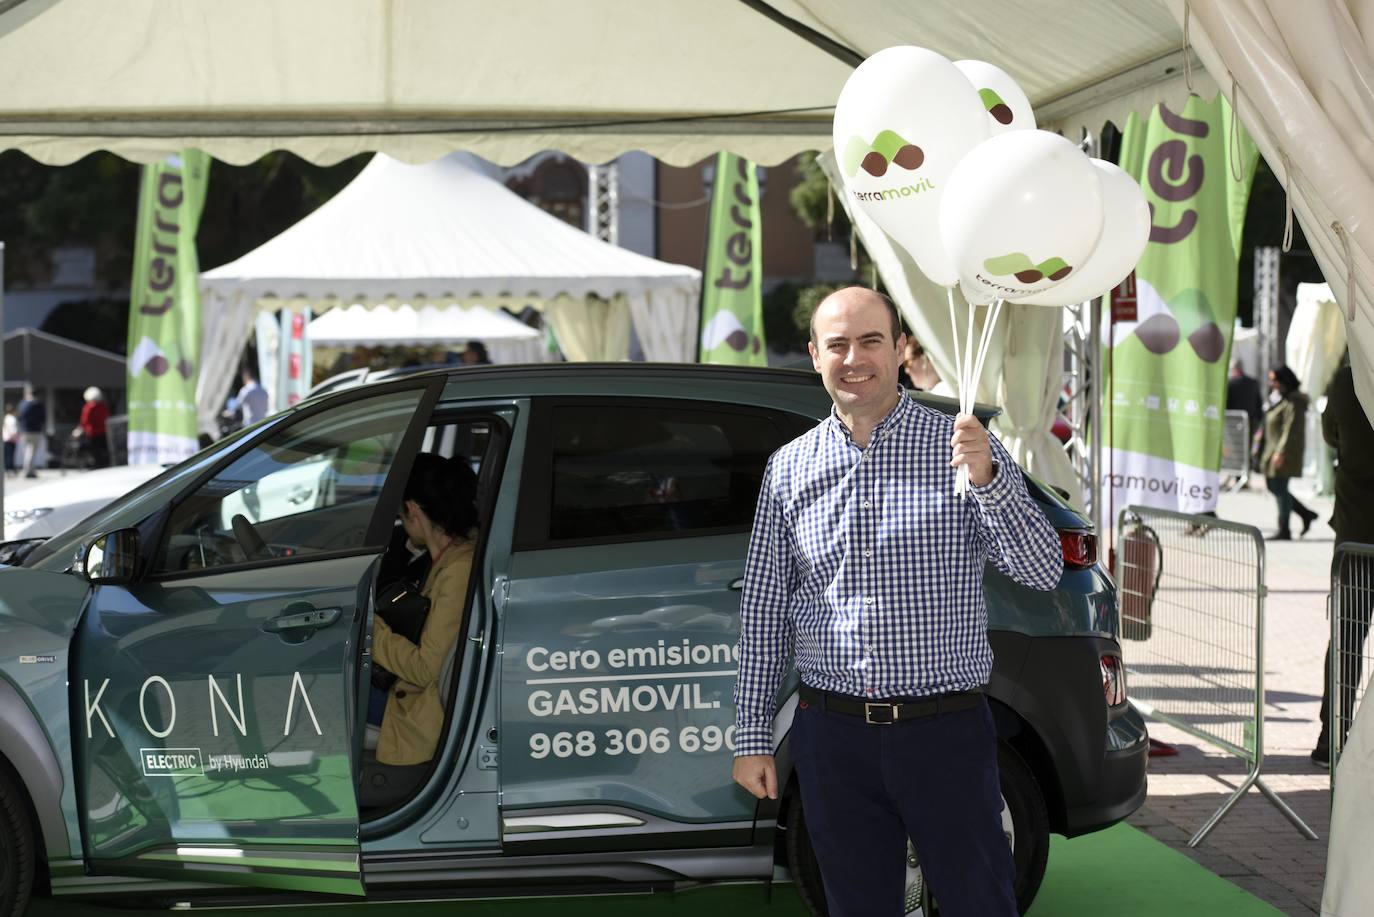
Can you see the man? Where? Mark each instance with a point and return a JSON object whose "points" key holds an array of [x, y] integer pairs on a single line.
{"points": [[865, 563], [1243, 394], [33, 425], [1346, 429], [251, 399]]}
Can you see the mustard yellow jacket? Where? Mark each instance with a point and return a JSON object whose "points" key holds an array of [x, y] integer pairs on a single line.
{"points": [[414, 713]]}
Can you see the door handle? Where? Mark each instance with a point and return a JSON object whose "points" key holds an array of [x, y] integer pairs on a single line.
{"points": [[736, 584], [301, 616]]}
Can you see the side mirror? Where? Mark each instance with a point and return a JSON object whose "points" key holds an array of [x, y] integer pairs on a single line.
{"points": [[111, 558]]}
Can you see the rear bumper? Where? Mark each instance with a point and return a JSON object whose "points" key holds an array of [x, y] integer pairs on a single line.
{"points": [[1090, 761], [1121, 784]]}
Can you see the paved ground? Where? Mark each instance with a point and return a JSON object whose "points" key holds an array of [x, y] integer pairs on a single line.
{"points": [[1254, 846]]}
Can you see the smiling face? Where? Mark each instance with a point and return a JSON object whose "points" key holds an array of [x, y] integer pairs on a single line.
{"points": [[853, 350]]}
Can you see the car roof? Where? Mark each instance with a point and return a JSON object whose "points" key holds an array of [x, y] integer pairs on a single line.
{"points": [[689, 380]]}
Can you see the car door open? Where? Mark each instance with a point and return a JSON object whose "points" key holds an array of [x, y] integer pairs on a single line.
{"points": [[214, 688]]}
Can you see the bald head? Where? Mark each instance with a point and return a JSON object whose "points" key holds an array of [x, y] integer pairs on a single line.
{"points": [[858, 296]]}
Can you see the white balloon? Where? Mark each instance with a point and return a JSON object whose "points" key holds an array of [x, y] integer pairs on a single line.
{"points": [[1125, 233], [1020, 214], [1006, 104], [903, 121]]}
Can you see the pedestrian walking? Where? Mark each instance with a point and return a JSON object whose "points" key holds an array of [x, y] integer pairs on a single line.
{"points": [[95, 415], [1346, 429], [1284, 440], [867, 570], [11, 437], [33, 424], [252, 400]]}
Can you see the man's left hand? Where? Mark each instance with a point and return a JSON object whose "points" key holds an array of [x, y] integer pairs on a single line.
{"points": [[970, 447]]}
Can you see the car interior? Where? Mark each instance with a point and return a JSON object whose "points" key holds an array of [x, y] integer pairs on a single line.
{"points": [[480, 440]]}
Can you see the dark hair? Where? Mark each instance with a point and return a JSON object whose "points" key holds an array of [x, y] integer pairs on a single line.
{"points": [[480, 350], [1288, 382], [892, 312], [446, 490]]}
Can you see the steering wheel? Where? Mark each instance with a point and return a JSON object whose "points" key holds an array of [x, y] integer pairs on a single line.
{"points": [[254, 548]]}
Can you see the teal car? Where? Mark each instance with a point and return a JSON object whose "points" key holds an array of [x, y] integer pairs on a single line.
{"points": [[185, 675]]}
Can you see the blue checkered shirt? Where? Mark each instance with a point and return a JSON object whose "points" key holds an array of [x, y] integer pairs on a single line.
{"points": [[868, 570]]}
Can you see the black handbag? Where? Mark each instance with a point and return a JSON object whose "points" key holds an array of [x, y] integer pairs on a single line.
{"points": [[404, 610]]}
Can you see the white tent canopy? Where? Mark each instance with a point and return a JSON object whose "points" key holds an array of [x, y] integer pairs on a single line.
{"points": [[442, 234], [680, 79]]}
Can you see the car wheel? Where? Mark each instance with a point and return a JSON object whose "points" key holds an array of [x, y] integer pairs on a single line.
{"points": [[16, 850], [1024, 820]]}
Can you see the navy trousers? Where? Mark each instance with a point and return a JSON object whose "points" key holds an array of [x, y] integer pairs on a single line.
{"points": [[867, 788]]}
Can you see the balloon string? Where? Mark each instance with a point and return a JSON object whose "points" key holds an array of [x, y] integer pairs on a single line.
{"points": [[966, 402], [958, 360], [986, 342], [967, 396]]}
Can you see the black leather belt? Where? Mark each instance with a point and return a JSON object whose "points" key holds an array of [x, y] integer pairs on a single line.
{"points": [[885, 713]]}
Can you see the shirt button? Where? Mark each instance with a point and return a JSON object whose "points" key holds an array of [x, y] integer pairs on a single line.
{"points": [[866, 504], [871, 649], [868, 600], [868, 553]]}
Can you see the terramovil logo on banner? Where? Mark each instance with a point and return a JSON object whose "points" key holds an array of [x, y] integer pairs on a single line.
{"points": [[1167, 388], [732, 284], [164, 311]]}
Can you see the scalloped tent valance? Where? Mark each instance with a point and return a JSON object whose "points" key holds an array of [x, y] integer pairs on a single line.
{"points": [[416, 79]]}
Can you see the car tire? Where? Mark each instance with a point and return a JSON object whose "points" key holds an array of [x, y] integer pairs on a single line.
{"points": [[1029, 819], [17, 863]]}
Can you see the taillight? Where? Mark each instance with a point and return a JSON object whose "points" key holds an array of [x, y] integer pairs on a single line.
{"points": [[1080, 549], [1113, 680]]}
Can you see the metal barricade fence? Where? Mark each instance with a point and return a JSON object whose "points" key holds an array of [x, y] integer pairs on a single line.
{"points": [[1352, 655], [1191, 600], [1235, 446]]}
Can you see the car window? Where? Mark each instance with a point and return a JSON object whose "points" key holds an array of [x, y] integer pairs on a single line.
{"points": [[307, 488], [621, 471]]}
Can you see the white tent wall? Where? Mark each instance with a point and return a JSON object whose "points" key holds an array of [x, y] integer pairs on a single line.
{"points": [[591, 330], [1313, 350], [1301, 78]]}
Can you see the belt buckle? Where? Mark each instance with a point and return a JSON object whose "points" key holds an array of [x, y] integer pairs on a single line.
{"points": [[891, 714]]}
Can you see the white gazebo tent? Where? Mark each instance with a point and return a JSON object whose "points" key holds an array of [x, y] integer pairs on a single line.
{"points": [[439, 235]]}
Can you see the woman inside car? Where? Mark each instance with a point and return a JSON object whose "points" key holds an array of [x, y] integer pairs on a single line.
{"points": [[439, 514]]}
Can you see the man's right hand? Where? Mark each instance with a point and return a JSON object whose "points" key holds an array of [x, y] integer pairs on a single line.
{"points": [[758, 774]]}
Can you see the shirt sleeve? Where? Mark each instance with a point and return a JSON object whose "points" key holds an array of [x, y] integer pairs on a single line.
{"points": [[421, 665], [764, 625], [1019, 540]]}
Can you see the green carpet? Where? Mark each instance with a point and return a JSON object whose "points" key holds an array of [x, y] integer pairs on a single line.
{"points": [[1126, 873], [1121, 871]]}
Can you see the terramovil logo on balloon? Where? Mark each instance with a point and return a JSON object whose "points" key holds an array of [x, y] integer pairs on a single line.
{"points": [[887, 149], [1025, 271]]}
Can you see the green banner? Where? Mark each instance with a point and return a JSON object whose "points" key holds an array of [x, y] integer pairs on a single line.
{"points": [[164, 311], [731, 286], [1169, 344]]}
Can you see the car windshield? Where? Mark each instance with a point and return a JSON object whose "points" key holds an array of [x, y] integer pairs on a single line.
{"points": [[62, 547]]}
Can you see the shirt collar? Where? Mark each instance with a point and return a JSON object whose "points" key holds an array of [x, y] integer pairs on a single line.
{"points": [[900, 411]]}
